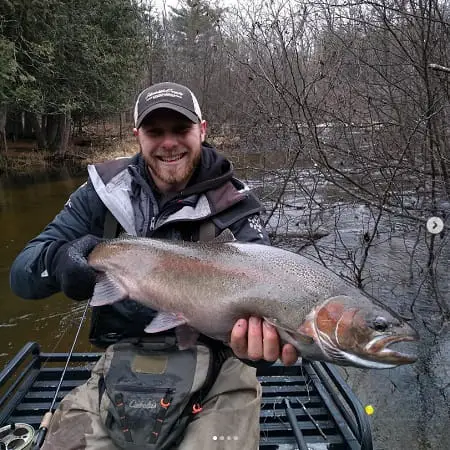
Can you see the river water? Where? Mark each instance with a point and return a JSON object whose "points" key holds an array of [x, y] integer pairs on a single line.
{"points": [[411, 403], [26, 206]]}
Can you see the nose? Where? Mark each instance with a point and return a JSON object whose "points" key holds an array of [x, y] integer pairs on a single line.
{"points": [[169, 141]]}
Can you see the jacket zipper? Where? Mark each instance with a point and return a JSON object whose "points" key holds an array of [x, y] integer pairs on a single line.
{"points": [[166, 211]]}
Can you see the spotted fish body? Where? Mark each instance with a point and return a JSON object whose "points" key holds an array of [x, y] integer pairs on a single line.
{"points": [[209, 286]]}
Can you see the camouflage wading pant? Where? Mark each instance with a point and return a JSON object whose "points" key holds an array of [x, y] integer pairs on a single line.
{"points": [[229, 419]]}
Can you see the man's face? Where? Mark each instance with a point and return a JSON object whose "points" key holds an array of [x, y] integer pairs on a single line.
{"points": [[171, 146]]}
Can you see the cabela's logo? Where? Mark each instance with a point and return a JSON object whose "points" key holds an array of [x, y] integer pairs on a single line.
{"points": [[142, 404]]}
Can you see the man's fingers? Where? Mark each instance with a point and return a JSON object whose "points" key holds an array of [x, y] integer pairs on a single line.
{"points": [[271, 342], [289, 355], [238, 339], [255, 339]]}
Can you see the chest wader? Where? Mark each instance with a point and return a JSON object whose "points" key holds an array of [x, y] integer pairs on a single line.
{"points": [[150, 389]]}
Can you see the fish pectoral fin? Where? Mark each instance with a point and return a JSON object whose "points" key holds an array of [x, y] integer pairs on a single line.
{"points": [[303, 334], [303, 337], [306, 332], [165, 321], [299, 341], [107, 290]]}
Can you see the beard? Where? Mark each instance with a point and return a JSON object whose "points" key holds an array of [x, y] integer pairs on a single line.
{"points": [[174, 176]]}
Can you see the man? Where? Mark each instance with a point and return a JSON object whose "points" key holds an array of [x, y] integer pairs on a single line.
{"points": [[177, 187]]}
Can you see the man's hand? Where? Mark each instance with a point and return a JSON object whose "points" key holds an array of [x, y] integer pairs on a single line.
{"points": [[70, 268], [256, 339]]}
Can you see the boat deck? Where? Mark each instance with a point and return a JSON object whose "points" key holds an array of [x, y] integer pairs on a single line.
{"points": [[307, 405]]}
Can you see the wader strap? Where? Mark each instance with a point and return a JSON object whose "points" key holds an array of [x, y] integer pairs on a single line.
{"points": [[164, 404], [118, 400], [111, 226], [207, 231], [111, 230]]}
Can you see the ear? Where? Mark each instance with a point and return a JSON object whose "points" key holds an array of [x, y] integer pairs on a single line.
{"points": [[135, 132], [203, 126]]}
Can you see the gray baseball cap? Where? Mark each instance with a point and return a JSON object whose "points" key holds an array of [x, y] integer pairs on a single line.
{"points": [[167, 95]]}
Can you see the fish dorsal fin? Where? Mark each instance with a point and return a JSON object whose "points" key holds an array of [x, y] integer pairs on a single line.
{"points": [[165, 321], [107, 290], [224, 237]]}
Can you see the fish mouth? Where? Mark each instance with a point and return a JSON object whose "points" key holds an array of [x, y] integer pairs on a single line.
{"points": [[379, 348]]}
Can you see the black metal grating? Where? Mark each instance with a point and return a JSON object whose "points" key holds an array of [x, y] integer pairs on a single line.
{"points": [[322, 420]]}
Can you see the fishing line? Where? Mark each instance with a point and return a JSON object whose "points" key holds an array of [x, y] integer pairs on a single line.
{"points": [[55, 346], [61, 337], [63, 333], [45, 423], [316, 424]]}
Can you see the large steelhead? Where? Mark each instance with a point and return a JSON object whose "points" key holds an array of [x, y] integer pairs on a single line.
{"points": [[209, 286]]}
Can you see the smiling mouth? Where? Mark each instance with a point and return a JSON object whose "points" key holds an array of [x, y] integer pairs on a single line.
{"points": [[171, 159]]}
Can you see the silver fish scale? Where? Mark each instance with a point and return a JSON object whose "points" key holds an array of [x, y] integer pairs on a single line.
{"points": [[213, 284]]}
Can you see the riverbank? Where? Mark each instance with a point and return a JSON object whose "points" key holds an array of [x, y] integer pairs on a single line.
{"points": [[22, 157]]}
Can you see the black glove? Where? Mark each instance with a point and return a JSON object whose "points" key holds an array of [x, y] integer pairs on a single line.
{"points": [[68, 265]]}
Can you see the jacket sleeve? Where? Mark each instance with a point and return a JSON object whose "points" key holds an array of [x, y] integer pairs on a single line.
{"points": [[250, 229], [29, 277]]}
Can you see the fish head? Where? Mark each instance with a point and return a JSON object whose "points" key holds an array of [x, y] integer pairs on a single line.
{"points": [[358, 332], [350, 331]]}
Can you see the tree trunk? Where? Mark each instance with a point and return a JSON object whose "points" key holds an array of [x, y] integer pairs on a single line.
{"points": [[64, 132], [27, 124], [3, 113], [52, 132], [38, 130]]}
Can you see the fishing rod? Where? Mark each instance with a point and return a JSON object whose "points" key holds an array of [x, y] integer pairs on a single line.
{"points": [[40, 435]]}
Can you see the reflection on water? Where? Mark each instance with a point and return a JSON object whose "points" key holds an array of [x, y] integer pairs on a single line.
{"points": [[27, 204]]}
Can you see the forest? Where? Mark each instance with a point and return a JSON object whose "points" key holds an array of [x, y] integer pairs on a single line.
{"points": [[300, 72]]}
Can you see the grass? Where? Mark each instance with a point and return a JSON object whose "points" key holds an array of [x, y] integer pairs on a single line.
{"points": [[23, 159], [119, 149], [20, 162]]}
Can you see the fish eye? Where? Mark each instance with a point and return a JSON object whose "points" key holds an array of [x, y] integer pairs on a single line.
{"points": [[380, 324]]}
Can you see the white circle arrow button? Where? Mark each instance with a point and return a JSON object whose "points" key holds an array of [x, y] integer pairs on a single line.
{"points": [[435, 225]]}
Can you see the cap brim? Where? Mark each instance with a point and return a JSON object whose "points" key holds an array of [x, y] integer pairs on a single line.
{"points": [[189, 114]]}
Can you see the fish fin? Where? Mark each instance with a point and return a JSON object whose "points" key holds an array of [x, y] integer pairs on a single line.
{"points": [[225, 236], [165, 321], [306, 332], [293, 337], [186, 336], [302, 334], [304, 338], [107, 290]]}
